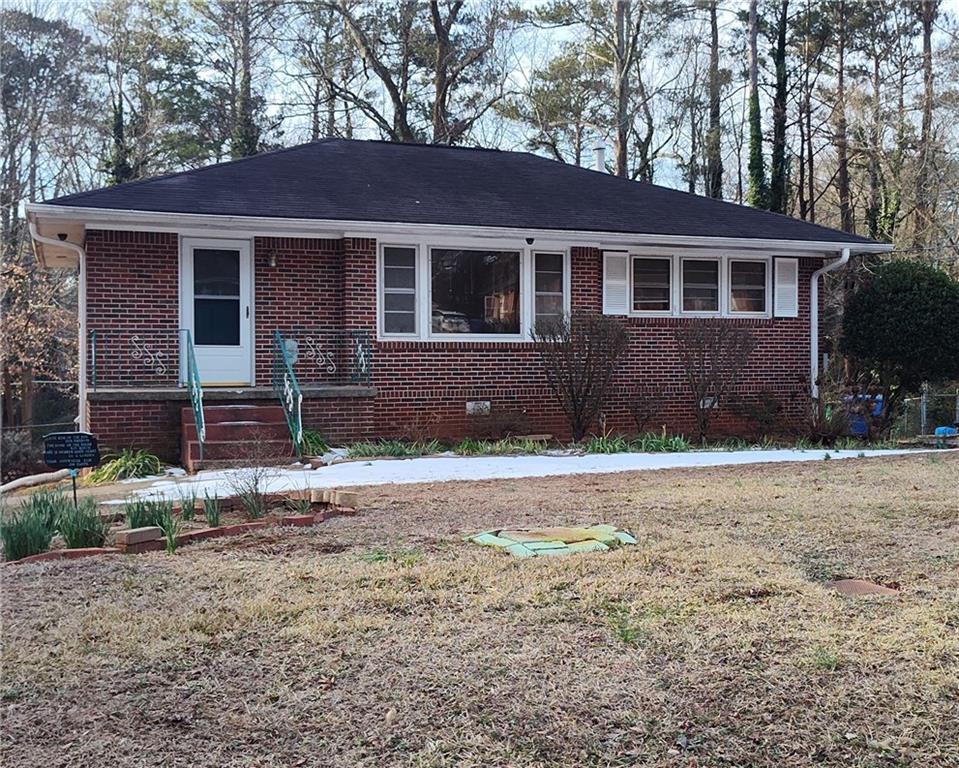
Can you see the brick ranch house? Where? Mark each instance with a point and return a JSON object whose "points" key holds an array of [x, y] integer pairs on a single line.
{"points": [[380, 289]]}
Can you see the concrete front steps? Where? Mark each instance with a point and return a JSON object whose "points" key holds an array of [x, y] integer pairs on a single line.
{"points": [[235, 435]]}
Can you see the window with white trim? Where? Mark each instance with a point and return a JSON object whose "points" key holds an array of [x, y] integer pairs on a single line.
{"points": [[399, 290], [549, 287], [652, 284], [747, 286], [474, 291], [700, 285]]}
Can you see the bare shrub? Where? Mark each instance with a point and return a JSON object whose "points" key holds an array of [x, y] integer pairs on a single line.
{"points": [[713, 354], [580, 355], [250, 478], [644, 404]]}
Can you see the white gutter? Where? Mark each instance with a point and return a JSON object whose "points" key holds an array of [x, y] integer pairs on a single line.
{"points": [[81, 315], [814, 319], [159, 221]]}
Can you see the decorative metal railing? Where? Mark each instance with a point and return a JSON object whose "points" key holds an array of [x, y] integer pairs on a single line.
{"points": [[325, 356], [136, 357], [287, 389], [196, 390], [147, 358]]}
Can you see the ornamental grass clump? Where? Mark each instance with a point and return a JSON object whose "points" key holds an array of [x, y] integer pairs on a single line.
{"points": [[47, 504], [24, 532], [126, 464], [141, 513], [82, 526], [313, 443]]}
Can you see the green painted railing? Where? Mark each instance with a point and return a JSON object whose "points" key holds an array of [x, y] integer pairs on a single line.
{"points": [[287, 389], [195, 388]]}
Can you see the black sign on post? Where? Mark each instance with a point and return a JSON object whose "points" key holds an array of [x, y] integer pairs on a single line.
{"points": [[71, 450]]}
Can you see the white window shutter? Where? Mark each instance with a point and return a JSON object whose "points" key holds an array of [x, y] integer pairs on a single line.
{"points": [[615, 283], [786, 288]]}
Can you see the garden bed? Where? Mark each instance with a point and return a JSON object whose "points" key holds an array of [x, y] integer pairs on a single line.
{"points": [[120, 532]]}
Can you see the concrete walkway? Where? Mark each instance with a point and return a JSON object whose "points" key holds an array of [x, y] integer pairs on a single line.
{"points": [[448, 468]]}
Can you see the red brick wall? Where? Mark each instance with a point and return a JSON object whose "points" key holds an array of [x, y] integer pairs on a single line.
{"points": [[303, 292], [154, 425], [133, 306], [422, 387]]}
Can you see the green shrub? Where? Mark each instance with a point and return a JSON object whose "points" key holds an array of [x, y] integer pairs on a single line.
{"points": [[141, 513], [128, 463], [82, 526], [313, 443], [24, 532], [899, 330], [211, 510]]}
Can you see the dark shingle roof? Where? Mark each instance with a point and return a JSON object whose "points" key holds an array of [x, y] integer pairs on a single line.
{"points": [[379, 181]]}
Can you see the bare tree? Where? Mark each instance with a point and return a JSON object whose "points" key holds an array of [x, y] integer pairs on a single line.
{"points": [[580, 354], [713, 354]]}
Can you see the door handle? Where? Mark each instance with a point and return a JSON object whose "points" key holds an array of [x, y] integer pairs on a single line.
{"points": [[247, 313]]}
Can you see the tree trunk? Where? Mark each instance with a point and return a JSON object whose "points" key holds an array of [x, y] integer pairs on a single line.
{"points": [[928, 11], [714, 162], [875, 138], [245, 137], [621, 85], [841, 137], [778, 171], [757, 191]]}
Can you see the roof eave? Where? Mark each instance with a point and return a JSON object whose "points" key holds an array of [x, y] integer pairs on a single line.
{"points": [[108, 218]]}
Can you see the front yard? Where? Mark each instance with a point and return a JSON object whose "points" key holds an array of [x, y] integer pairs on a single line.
{"points": [[384, 639]]}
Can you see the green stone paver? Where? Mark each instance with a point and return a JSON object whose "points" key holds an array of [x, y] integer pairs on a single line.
{"points": [[554, 541]]}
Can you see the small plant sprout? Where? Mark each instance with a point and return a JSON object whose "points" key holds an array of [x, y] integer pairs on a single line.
{"points": [[211, 509], [187, 505], [300, 504], [171, 525]]}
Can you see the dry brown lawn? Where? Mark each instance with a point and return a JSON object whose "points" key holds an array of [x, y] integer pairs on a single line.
{"points": [[386, 640]]}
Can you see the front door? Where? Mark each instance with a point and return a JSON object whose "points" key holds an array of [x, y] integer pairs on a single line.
{"points": [[215, 297]]}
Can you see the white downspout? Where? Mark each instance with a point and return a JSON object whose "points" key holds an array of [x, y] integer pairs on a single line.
{"points": [[814, 320], [81, 317]]}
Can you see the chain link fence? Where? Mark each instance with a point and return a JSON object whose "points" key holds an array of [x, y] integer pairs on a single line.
{"points": [[921, 415], [54, 409]]}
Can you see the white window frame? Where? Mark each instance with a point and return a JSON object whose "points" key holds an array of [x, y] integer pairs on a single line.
{"points": [[767, 302], [567, 282], [677, 258], [381, 291], [632, 285], [720, 304], [424, 287]]}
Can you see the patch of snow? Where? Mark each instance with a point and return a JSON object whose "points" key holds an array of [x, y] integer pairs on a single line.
{"points": [[435, 469], [167, 472]]}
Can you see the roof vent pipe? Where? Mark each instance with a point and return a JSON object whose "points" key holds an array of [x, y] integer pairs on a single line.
{"points": [[599, 156]]}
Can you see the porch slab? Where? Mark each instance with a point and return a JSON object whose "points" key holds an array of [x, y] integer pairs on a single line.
{"points": [[211, 394]]}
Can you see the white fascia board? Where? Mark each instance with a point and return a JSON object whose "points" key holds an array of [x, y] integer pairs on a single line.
{"points": [[192, 223]]}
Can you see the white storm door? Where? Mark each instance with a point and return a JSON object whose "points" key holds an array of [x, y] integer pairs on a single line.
{"points": [[216, 298]]}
